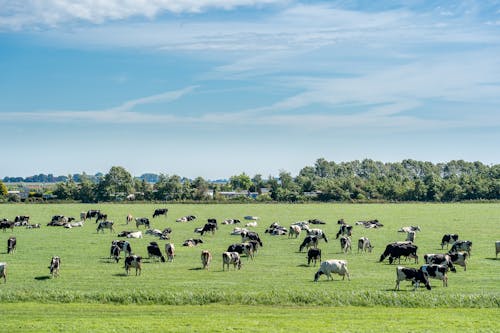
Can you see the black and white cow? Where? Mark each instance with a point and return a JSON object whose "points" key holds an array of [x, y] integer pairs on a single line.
{"points": [[250, 235], [206, 259], [364, 244], [133, 261], [3, 271], [345, 229], [170, 251], [22, 218], [459, 258], [438, 272], [154, 251], [11, 244], [114, 252], [410, 228], [160, 211], [5, 224], [316, 232], [398, 250], [440, 259], [186, 218], [332, 266], [101, 217], [105, 225], [309, 241], [55, 265], [209, 227], [192, 242], [92, 213], [448, 239], [241, 248], [313, 254], [345, 244], [462, 245], [416, 276], [142, 221], [229, 258], [123, 245], [370, 224]]}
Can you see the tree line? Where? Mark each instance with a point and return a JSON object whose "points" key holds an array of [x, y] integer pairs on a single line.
{"points": [[325, 181]]}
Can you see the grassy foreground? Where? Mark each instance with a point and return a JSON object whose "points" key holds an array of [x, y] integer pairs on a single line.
{"points": [[32, 317]]}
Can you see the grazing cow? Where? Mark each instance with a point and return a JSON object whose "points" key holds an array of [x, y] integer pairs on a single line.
{"points": [[411, 274], [208, 227], [345, 229], [314, 254], [364, 244], [345, 244], [410, 236], [170, 251], [142, 221], [316, 232], [250, 235], [206, 259], [438, 272], [448, 239], [254, 246], [294, 230], [105, 225], [459, 258], [231, 258], [22, 218], [123, 245], [309, 241], [241, 248], [462, 245], [316, 221], [101, 217], [410, 228], [398, 250], [332, 266], [133, 261], [11, 244], [55, 265], [154, 251], [497, 249], [5, 224], [135, 234], [92, 213], [129, 218], [192, 242], [160, 211], [3, 271], [115, 251], [440, 259]]}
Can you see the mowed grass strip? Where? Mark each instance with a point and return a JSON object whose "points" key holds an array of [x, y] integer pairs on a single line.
{"points": [[32, 317], [278, 275]]}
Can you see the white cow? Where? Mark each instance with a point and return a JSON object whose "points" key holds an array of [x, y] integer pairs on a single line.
{"points": [[332, 266], [136, 234]]}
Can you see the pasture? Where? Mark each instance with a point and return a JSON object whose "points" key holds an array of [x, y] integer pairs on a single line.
{"points": [[277, 277]]}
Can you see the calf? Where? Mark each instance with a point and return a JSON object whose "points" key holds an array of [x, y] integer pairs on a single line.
{"points": [[206, 259], [55, 265], [448, 239], [345, 244], [332, 266], [462, 245], [160, 211], [3, 271], [436, 272], [170, 251], [154, 251], [309, 241], [440, 259], [314, 254], [105, 225], [142, 221], [11, 244], [411, 274], [133, 261], [364, 244], [231, 258]]}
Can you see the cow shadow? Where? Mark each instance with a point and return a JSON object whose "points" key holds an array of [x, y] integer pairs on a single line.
{"points": [[303, 265], [120, 274], [491, 258], [42, 277], [196, 269]]}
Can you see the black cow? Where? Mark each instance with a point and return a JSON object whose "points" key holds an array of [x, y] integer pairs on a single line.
{"points": [[398, 250], [316, 221], [250, 235], [411, 274], [345, 229], [313, 254], [448, 239], [309, 241], [5, 224], [160, 211], [101, 217], [154, 251], [92, 213], [11, 244]]}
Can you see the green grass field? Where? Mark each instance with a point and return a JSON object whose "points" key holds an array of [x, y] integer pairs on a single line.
{"points": [[278, 283]]}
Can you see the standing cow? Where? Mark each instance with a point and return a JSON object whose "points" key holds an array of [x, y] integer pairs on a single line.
{"points": [[55, 265], [133, 261], [231, 258], [332, 266], [11, 244], [206, 259]]}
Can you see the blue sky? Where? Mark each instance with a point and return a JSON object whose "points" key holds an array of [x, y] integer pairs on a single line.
{"points": [[214, 88]]}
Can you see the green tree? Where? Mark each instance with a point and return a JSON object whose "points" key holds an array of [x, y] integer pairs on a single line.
{"points": [[3, 189], [117, 183], [240, 182]]}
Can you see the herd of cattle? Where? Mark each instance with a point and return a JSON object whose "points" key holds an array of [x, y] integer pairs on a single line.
{"points": [[436, 265]]}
